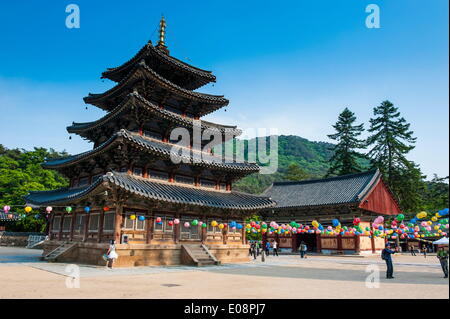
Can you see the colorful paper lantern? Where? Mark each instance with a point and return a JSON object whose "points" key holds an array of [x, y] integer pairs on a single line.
{"points": [[28, 209]]}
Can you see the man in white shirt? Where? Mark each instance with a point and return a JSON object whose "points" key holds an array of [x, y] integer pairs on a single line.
{"points": [[275, 248]]}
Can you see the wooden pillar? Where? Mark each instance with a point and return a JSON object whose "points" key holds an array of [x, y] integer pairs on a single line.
{"points": [[339, 243], [264, 240], [72, 225], [86, 226], [294, 242], [61, 227], [204, 230], [243, 236], [118, 224], [372, 242], [149, 228], [50, 226], [100, 226], [357, 244], [319, 242], [177, 228], [225, 235]]}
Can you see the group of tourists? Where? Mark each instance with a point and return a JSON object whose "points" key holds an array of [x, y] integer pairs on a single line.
{"points": [[387, 253], [424, 250], [256, 249]]}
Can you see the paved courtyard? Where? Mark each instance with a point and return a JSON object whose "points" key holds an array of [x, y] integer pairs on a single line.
{"points": [[22, 275]]}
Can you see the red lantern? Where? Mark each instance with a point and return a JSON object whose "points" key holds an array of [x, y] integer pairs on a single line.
{"points": [[105, 208], [356, 221], [170, 223], [158, 219]]}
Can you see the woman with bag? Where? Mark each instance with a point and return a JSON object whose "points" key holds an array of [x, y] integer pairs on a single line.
{"points": [[111, 254]]}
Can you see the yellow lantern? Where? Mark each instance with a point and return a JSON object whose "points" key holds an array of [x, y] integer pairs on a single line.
{"points": [[315, 223], [133, 217], [214, 223]]}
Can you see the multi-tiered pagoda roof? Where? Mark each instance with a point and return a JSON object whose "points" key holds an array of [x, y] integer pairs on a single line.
{"points": [[134, 151]]}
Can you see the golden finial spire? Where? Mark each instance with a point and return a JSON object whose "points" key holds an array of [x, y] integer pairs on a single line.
{"points": [[162, 36]]}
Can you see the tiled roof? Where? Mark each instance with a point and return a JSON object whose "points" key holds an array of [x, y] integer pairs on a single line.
{"points": [[140, 71], [136, 99], [158, 191], [158, 148], [202, 76], [346, 189], [4, 216]]}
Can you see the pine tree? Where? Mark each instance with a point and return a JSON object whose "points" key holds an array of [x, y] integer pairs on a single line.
{"points": [[391, 141], [345, 157]]}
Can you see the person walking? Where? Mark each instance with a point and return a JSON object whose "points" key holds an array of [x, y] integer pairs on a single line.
{"points": [[303, 249], [412, 250], [275, 247], [267, 248], [111, 254], [424, 251], [386, 255], [253, 250], [442, 255]]}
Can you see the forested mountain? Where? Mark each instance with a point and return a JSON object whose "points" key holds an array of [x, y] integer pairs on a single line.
{"points": [[312, 157]]}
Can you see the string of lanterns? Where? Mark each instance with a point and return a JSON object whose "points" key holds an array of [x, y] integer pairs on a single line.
{"points": [[418, 227], [421, 226]]}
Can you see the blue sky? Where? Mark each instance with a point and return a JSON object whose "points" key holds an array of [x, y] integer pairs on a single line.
{"points": [[293, 65]]}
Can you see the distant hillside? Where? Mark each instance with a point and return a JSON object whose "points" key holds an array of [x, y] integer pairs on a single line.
{"points": [[312, 157]]}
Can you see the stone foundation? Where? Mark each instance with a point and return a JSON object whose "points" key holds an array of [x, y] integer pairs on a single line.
{"points": [[132, 255]]}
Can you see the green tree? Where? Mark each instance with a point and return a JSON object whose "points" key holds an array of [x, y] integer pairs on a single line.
{"points": [[390, 141], [20, 173], [295, 173], [345, 159], [436, 194]]}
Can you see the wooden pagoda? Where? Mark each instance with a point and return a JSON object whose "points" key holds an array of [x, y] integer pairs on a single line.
{"points": [[129, 187]]}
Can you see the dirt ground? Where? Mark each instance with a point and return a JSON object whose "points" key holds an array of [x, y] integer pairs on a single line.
{"points": [[22, 275]]}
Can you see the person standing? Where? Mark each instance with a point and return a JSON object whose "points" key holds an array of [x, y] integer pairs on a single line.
{"points": [[303, 249], [424, 251], [275, 247], [442, 255], [386, 255], [253, 250], [412, 250], [267, 248], [111, 254]]}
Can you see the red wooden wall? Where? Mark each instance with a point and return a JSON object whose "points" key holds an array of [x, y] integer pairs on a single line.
{"points": [[380, 200]]}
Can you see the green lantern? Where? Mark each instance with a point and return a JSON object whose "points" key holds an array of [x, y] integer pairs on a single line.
{"points": [[68, 209], [194, 222]]}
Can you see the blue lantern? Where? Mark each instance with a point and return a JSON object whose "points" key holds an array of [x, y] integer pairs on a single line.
{"points": [[141, 218], [87, 209]]}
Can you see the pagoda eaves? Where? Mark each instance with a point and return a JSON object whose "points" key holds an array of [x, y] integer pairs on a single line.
{"points": [[163, 91], [90, 130], [189, 77]]}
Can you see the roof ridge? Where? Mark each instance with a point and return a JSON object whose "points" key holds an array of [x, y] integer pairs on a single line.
{"points": [[171, 59], [306, 181]]}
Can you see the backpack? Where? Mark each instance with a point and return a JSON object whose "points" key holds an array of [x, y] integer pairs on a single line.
{"points": [[383, 254]]}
